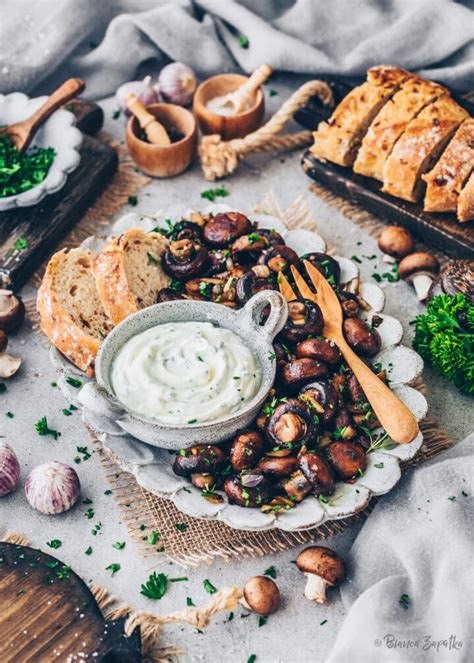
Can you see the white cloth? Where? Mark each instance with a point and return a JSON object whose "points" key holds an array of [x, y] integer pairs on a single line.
{"points": [[104, 41], [417, 542]]}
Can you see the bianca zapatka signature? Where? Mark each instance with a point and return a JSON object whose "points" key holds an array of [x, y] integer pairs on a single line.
{"points": [[423, 643]]}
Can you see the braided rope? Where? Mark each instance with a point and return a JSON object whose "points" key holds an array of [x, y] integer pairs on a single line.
{"points": [[220, 158]]}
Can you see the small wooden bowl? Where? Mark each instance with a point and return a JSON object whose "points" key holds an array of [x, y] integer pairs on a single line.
{"points": [[232, 126], [164, 160]]}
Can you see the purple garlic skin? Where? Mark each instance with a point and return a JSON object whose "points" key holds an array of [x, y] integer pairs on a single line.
{"points": [[145, 90], [52, 487], [9, 469], [177, 83]]}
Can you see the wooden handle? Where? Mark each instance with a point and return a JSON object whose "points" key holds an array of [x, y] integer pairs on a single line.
{"points": [[65, 92], [248, 89], [394, 416], [155, 131]]}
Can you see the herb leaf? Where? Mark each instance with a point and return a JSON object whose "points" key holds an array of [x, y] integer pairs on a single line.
{"points": [[113, 568], [212, 194], [155, 587], [42, 428], [209, 587]]}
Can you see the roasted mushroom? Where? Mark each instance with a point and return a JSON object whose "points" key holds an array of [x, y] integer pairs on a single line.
{"points": [[347, 459], [318, 472], [249, 490], [279, 258], [455, 276], [248, 247], [223, 228], [395, 242], [304, 318], [186, 230], [203, 481], [322, 398], [364, 340], [420, 269], [328, 267], [296, 486], [200, 459], [248, 284], [301, 371], [246, 450], [319, 348], [220, 260], [290, 424], [354, 390], [323, 568], [184, 259], [208, 288], [349, 303], [168, 295], [272, 236], [12, 311], [277, 468], [261, 595], [344, 424]]}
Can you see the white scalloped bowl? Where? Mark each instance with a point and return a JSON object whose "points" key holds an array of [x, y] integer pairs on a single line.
{"points": [[151, 466], [57, 132]]}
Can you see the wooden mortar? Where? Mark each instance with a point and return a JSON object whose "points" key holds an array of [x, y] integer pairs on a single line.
{"points": [[227, 126], [164, 160]]}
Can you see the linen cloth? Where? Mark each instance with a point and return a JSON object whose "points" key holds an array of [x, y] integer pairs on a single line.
{"points": [[44, 41], [418, 541]]}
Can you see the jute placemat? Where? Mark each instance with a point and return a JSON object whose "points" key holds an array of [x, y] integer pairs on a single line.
{"points": [[201, 541]]}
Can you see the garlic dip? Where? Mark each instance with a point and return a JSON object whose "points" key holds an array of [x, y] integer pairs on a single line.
{"points": [[185, 373]]}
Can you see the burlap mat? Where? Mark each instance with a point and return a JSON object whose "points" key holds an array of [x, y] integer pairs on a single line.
{"points": [[202, 541]]}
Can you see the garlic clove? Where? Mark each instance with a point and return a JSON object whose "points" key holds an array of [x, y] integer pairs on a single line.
{"points": [[177, 83], [9, 365], [52, 487], [145, 90], [9, 469]]}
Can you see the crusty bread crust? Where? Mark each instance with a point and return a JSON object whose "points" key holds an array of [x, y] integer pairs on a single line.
{"points": [[389, 124], [466, 201], [446, 180], [110, 274], [419, 146], [339, 138], [69, 338]]}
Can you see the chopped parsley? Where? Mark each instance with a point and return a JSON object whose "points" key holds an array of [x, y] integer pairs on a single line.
{"points": [[10, 415], [405, 600], [325, 621], [88, 551], [133, 201], [252, 658], [379, 466], [209, 587], [244, 42], [153, 537], [205, 289], [181, 527], [21, 244], [89, 514], [261, 621], [152, 259], [42, 428], [271, 572], [118, 545], [189, 601], [356, 259], [21, 171], [452, 498], [113, 568], [74, 382], [116, 114], [272, 93], [155, 587], [55, 544], [3, 388], [212, 194]]}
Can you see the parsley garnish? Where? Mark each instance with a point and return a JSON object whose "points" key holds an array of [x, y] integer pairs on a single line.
{"points": [[113, 568], [89, 514], [21, 244], [209, 587], [252, 658], [55, 544], [118, 545], [271, 572], [10, 415], [116, 114], [88, 551], [155, 587], [405, 600], [153, 537], [244, 42], [189, 601], [379, 466], [152, 259], [262, 621], [133, 201], [74, 382], [21, 171], [272, 93], [181, 527], [212, 194], [42, 428], [452, 498]]}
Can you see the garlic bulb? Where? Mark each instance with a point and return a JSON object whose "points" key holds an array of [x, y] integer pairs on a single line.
{"points": [[9, 469], [52, 487], [145, 90], [177, 83]]}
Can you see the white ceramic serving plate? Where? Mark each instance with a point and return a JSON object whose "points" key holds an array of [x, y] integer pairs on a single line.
{"points": [[151, 466], [58, 132]]}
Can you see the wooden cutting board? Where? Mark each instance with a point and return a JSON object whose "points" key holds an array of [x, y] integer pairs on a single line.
{"points": [[43, 225], [441, 231], [48, 613]]}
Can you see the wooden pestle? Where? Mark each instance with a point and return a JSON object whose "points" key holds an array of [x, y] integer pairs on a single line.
{"points": [[155, 132], [242, 97]]}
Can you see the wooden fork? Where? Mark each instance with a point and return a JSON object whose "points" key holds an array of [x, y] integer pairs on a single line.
{"points": [[394, 416]]}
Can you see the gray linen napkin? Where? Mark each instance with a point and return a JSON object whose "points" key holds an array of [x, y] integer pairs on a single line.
{"points": [[44, 41], [418, 541]]}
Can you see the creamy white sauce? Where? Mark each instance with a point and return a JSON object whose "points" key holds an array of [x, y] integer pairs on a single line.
{"points": [[185, 372]]}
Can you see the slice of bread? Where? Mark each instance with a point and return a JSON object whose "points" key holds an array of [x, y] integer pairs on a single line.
{"points": [[419, 147], [338, 139], [389, 124], [466, 201], [70, 310], [445, 182], [128, 272]]}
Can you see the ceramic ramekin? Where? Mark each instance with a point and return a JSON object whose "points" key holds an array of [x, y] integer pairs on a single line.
{"points": [[244, 323]]}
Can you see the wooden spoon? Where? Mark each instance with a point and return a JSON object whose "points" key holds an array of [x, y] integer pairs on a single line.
{"points": [[155, 132], [236, 101], [22, 132]]}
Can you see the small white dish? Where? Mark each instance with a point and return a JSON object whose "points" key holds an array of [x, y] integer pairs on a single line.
{"points": [[57, 132]]}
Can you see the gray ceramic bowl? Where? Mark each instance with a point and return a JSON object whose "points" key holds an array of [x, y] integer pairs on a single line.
{"points": [[243, 323]]}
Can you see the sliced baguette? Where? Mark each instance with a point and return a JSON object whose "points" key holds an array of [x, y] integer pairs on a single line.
{"points": [[445, 182], [466, 201], [389, 124], [419, 147], [338, 139], [70, 310], [128, 272]]}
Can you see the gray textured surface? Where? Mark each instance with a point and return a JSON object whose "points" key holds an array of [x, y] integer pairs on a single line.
{"points": [[294, 633]]}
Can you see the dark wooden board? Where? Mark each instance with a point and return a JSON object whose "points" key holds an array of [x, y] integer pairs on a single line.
{"points": [[48, 613], [441, 231], [45, 224]]}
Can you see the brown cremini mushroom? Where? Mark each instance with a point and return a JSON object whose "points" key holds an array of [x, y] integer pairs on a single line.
{"points": [[396, 243], [456, 276], [12, 311], [323, 568], [419, 269], [246, 450], [261, 595], [364, 340], [223, 228]]}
